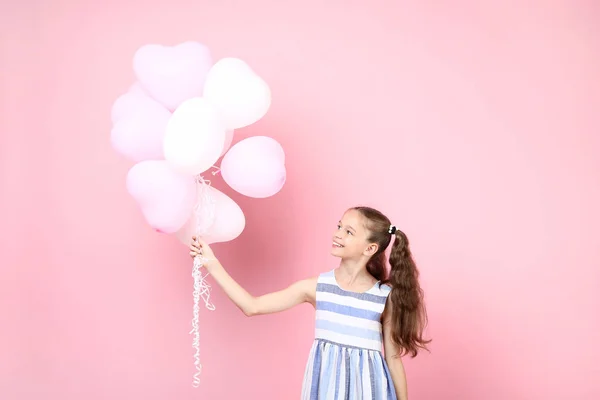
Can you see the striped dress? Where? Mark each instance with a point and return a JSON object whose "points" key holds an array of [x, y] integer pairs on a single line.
{"points": [[345, 361]]}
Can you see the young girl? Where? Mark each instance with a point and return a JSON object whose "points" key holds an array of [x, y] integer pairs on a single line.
{"points": [[361, 313]]}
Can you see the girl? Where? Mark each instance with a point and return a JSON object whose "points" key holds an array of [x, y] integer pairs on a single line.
{"points": [[365, 320]]}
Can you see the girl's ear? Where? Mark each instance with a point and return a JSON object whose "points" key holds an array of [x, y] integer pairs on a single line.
{"points": [[371, 249]]}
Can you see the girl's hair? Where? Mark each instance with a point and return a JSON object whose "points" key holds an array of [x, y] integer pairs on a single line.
{"points": [[409, 317]]}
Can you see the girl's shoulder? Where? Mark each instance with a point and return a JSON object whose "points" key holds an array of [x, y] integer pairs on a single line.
{"points": [[327, 276], [384, 288]]}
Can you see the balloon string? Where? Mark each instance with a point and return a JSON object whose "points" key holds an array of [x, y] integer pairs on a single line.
{"points": [[201, 290], [204, 214]]}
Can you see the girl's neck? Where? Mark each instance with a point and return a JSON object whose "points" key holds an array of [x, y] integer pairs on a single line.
{"points": [[352, 271]]}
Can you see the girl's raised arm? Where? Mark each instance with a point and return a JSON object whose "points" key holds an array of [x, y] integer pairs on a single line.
{"points": [[303, 291]]}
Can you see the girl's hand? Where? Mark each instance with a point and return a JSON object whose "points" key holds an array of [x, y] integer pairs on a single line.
{"points": [[200, 248]]}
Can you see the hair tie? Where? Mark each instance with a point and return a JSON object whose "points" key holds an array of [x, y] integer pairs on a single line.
{"points": [[392, 229]]}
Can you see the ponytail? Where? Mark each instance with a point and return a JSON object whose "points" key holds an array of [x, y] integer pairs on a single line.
{"points": [[405, 302], [408, 314]]}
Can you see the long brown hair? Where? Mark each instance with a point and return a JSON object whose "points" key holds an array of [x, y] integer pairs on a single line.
{"points": [[408, 313]]}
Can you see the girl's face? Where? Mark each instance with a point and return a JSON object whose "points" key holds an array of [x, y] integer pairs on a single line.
{"points": [[350, 239]]}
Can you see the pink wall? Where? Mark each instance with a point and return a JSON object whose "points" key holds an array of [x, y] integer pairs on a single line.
{"points": [[472, 125]]}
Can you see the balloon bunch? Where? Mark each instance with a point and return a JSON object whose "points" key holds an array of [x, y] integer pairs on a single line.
{"points": [[175, 122]]}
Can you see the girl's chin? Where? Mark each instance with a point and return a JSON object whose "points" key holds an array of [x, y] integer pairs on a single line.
{"points": [[336, 251]]}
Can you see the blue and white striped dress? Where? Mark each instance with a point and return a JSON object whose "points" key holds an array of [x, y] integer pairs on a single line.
{"points": [[345, 360]]}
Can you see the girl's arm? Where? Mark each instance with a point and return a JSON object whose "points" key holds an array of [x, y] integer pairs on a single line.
{"points": [[303, 291], [392, 357]]}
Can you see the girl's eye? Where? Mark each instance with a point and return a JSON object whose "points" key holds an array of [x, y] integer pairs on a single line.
{"points": [[339, 226], [349, 232]]}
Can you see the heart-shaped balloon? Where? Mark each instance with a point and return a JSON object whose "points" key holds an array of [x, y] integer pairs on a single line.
{"points": [[125, 103], [227, 218], [165, 196], [255, 167], [139, 126], [241, 96], [172, 74], [194, 137], [128, 101]]}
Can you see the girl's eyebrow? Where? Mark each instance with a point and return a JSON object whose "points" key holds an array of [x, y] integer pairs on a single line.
{"points": [[348, 226]]}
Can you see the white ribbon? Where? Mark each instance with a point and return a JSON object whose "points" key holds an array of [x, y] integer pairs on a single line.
{"points": [[204, 214]]}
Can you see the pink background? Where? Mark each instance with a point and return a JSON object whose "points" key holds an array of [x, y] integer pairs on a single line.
{"points": [[471, 125]]}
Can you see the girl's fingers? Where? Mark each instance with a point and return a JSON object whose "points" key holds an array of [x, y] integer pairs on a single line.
{"points": [[196, 246]]}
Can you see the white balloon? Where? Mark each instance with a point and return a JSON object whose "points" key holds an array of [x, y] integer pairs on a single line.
{"points": [[241, 96], [228, 223], [255, 167], [194, 137]]}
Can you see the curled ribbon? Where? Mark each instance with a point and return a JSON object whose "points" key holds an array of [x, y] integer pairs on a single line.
{"points": [[204, 214]]}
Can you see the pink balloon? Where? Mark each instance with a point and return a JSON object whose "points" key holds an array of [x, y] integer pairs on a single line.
{"points": [[227, 224], [165, 197], [255, 167], [139, 126], [125, 104], [172, 74]]}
